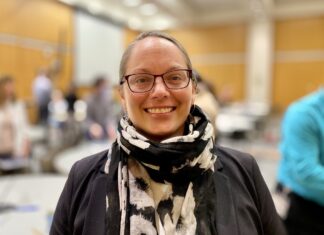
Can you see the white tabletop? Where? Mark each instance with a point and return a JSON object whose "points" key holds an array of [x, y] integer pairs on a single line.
{"points": [[64, 160], [33, 199]]}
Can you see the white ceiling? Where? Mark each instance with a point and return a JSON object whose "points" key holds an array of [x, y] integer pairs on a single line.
{"points": [[166, 14]]}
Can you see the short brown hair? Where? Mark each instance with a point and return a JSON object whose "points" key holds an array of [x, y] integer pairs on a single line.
{"points": [[157, 34]]}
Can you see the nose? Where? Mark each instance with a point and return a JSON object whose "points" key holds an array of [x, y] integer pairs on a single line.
{"points": [[159, 88]]}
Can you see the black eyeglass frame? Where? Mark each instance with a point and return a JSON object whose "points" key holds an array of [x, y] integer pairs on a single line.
{"points": [[125, 78]]}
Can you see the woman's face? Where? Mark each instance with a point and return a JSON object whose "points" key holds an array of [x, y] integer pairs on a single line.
{"points": [[160, 113]]}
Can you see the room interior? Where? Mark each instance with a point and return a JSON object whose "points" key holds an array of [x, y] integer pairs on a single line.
{"points": [[263, 54]]}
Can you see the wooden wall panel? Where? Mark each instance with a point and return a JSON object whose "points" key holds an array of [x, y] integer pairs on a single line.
{"points": [[7, 12], [299, 63], [294, 80], [227, 79], [35, 34], [7, 58], [299, 34], [217, 39], [37, 19]]}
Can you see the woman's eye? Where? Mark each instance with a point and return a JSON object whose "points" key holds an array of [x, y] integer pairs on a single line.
{"points": [[175, 78], [142, 80]]}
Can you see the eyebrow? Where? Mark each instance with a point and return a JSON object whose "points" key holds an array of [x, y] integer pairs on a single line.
{"points": [[170, 69]]}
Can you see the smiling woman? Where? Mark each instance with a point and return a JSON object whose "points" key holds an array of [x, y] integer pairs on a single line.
{"points": [[160, 110], [164, 174]]}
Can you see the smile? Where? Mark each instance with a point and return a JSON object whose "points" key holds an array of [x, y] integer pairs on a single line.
{"points": [[159, 110]]}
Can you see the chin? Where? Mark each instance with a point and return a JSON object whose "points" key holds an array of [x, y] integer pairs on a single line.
{"points": [[160, 134]]}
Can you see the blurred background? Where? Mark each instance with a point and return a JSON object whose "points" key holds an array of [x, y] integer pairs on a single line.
{"points": [[60, 57]]}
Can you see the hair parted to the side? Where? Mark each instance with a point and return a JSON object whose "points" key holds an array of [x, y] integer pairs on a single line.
{"points": [[157, 34]]}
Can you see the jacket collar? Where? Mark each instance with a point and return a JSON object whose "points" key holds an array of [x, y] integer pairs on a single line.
{"points": [[216, 202], [227, 223]]}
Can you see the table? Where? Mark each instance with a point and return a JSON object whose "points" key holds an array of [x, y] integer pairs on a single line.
{"points": [[30, 201], [65, 160], [242, 118]]}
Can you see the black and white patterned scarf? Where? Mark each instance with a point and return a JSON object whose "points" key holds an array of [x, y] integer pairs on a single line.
{"points": [[159, 185]]}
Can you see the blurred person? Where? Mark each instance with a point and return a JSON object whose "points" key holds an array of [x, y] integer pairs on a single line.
{"points": [[42, 89], [76, 114], [57, 119], [58, 109], [100, 121], [301, 169], [71, 97], [163, 174], [14, 141], [206, 99], [226, 95]]}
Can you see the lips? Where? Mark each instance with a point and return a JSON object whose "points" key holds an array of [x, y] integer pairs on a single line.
{"points": [[160, 110]]}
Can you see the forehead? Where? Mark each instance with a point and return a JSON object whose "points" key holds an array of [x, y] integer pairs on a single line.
{"points": [[153, 42], [155, 46]]}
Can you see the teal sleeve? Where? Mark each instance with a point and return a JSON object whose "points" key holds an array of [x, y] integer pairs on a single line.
{"points": [[301, 148]]}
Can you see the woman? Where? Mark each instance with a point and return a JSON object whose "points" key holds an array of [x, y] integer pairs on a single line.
{"points": [[164, 175], [14, 142]]}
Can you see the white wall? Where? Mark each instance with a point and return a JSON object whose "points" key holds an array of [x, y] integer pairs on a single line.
{"points": [[259, 61], [98, 49]]}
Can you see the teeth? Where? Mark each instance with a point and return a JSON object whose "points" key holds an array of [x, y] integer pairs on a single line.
{"points": [[159, 110]]}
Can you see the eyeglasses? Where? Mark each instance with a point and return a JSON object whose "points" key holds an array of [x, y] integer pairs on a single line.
{"points": [[144, 82]]}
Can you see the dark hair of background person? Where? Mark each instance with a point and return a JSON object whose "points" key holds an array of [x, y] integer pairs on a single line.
{"points": [[99, 80], [208, 85]]}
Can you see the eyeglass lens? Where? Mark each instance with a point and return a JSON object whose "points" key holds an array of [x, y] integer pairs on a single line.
{"points": [[177, 79]]}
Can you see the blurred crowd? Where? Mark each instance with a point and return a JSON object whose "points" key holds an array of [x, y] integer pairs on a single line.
{"points": [[63, 119]]}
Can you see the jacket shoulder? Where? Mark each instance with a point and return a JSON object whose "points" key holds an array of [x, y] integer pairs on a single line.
{"points": [[240, 168], [89, 165], [228, 156]]}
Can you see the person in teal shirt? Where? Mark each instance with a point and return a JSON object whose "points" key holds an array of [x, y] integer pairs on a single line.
{"points": [[301, 169]]}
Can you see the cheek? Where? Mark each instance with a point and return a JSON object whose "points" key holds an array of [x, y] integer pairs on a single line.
{"points": [[123, 100], [187, 98], [194, 93], [132, 103], [193, 99]]}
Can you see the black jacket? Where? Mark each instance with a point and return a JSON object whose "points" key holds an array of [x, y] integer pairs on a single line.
{"points": [[242, 200]]}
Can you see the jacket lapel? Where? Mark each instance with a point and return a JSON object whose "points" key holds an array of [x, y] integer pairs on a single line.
{"points": [[226, 218], [94, 222]]}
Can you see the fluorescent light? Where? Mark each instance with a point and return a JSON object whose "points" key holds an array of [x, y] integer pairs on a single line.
{"points": [[148, 9], [131, 3]]}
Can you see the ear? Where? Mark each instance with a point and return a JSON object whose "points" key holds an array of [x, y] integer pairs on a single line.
{"points": [[194, 92], [193, 100], [122, 98]]}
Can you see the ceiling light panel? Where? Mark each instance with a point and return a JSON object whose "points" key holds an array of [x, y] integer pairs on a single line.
{"points": [[148, 9], [131, 3]]}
